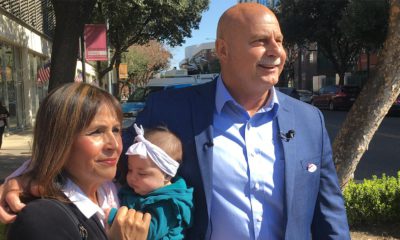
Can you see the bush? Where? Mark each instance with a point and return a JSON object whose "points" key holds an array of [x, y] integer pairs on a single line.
{"points": [[373, 201], [2, 232]]}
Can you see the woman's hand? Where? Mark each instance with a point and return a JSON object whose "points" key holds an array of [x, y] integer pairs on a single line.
{"points": [[129, 224]]}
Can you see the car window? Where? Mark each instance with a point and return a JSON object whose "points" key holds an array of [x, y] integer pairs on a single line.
{"points": [[332, 89], [304, 92], [350, 89]]}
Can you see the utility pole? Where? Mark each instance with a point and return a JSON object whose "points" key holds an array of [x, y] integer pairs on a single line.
{"points": [[110, 76], [83, 57]]}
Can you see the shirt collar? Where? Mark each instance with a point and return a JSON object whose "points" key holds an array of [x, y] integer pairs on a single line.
{"points": [[83, 203], [222, 96]]}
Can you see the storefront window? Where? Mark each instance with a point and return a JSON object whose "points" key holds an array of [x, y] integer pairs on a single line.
{"points": [[7, 83], [42, 87], [32, 77]]}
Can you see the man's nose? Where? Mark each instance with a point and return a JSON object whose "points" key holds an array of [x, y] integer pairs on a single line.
{"points": [[273, 48]]}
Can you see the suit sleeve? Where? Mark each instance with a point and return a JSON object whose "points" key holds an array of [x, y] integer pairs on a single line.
{"points": [[40, 220], [330, 220]]}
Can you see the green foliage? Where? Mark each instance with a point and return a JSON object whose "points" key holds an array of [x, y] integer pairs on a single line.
{"points": [[215, 66], [139, 21], [2, 231], [373, 201], [341, 28], [366, 22], [145, 60]]}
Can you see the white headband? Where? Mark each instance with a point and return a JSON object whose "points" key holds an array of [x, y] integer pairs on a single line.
{"points": [[143, 148]]}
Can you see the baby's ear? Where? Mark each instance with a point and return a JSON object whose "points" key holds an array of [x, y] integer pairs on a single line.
{"points": [[167, 178]]}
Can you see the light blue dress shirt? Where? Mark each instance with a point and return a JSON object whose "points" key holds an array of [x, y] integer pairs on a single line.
{"points": [[248, 171]]}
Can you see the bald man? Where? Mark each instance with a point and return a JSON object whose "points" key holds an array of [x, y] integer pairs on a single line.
{"points": [[260, 162]]}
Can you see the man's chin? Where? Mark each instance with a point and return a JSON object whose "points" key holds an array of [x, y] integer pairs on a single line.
{"points": [[270, 80]]}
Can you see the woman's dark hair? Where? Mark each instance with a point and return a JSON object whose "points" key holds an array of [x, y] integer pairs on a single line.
{"points": [[61, 117]]}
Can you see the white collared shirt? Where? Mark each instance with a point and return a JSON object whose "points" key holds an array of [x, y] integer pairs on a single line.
{"points": [[106, 195]]}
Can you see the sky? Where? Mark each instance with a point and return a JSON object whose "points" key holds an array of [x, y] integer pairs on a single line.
{"points": [[206, 31]]}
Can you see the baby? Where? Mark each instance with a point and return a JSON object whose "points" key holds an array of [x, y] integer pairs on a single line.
{"points": [[153, 161]]}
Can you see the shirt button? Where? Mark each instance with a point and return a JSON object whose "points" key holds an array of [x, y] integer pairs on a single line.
{"points": [[259, 219], [256, 186]]}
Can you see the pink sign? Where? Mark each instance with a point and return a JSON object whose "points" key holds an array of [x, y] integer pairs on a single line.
{"points": [[96, 42]]}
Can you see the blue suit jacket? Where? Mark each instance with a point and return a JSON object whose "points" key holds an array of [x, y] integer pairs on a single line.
{"points": [[313, 205]]}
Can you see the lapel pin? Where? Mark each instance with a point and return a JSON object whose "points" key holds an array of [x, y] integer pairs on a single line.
{"points": [[311, 167]]}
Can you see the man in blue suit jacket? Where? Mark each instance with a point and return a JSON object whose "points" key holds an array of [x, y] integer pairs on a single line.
{"points": [[260, 162]]}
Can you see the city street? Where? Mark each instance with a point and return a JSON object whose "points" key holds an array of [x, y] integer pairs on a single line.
{"points": [[15, 150], [383, 155]]}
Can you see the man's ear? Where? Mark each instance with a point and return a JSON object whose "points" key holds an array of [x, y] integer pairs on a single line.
{"points": [[221, 49]]}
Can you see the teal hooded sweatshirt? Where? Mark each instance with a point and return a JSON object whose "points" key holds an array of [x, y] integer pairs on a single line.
{"points": [[171, 208]]}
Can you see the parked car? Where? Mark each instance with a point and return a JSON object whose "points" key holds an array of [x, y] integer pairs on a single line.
{"points": [[305, 95], [289, 91], [395, 108], [136, 101], [335, 97]]}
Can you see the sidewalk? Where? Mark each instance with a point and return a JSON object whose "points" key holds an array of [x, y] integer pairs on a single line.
{"points": [[15, 150]]}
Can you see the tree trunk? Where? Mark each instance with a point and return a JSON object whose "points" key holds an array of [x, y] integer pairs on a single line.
{"points": [[100, 80], [341, 78], [300, 74], [372, 104], [70, 19], [368, 62]]}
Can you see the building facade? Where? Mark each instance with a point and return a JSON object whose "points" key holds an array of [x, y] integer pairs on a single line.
{"points": [[26, 29], [200, 59]]}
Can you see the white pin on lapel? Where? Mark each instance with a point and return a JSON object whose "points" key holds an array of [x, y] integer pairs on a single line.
{"points": [[311, 167]]}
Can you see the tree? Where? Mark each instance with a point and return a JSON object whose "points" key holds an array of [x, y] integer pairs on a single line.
{"points": [[131, 22], [328, 23], [372, 104], [292, 53], [145, 60], [360, 18], [70, 19], [139, 21], [215, 66]]}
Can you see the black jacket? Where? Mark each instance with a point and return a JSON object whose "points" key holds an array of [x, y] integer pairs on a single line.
{"points": [[42, 220]]}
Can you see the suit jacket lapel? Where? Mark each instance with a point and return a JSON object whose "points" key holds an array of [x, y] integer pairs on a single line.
{"points": [[286, 122], [203, 104]]}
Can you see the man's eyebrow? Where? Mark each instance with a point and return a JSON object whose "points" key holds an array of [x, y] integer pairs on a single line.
{"points": [[260, 36]]}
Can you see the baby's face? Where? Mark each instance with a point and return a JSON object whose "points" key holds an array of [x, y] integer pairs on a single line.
{"points": [[144, 176]]}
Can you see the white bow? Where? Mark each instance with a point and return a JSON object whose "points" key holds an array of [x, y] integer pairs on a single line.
{"points": [[143, 147]]}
